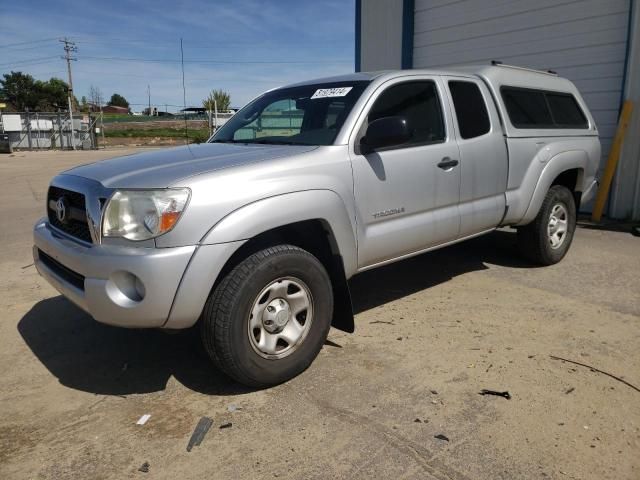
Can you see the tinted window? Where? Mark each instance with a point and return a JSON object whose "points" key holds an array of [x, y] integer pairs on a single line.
{"points": [[419, 104], [566, 111], [542, 109], [471, 111], [527, 108]]}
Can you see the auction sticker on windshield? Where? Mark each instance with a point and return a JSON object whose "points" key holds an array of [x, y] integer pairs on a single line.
{"points": [[331, 92]]}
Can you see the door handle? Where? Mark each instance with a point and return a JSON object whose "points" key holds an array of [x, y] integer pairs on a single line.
{"points": [[447, 163]]}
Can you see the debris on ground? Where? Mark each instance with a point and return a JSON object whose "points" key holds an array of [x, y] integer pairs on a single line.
{"points": [[440, 436], [143, 419], [203, 426], [144, 468], [417, 420], [233, 408], [434, 392], [489, 367], [226, 425], [569, 390], [382, 321], [27, 266], [594, 369], [506, 395]]}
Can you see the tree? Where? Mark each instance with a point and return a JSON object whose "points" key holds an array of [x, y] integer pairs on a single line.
{"points": [[95, 97], [118, 100], [23, 92], [18, 90], [84, 105], [219, 97], [53, 95]]}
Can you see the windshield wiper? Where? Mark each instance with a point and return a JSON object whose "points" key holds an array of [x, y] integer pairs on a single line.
{"points": [[276, 142], [222, 140]]}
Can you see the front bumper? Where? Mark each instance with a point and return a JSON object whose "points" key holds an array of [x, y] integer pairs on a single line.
{"points": [[123, 286]]}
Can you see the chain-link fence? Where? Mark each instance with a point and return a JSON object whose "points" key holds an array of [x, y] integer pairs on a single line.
{"points": [[46, 131]]}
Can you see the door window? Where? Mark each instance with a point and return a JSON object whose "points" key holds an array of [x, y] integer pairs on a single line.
{"points": [[419, 104], [471, 111]]}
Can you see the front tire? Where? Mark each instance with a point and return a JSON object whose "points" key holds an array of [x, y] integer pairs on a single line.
{"points": [[268, 318], [547, 239]]}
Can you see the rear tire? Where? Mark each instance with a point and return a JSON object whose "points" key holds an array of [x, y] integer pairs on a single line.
{"points": [[547, 239], [269, 317]]}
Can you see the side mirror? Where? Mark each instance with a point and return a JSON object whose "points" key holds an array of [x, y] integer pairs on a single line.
{"points": [[385, 132]]}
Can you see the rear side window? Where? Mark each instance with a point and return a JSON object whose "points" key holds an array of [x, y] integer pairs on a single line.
{"points": [[529, 108], [565, 110], [471, 111], [419, 104]]}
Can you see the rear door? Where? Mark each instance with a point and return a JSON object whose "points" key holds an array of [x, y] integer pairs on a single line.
{"points": [[484, 162], [407, 194]]}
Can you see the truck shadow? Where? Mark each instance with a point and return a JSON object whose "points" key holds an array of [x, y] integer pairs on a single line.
{"points": [[88, 356], [398, 280]]}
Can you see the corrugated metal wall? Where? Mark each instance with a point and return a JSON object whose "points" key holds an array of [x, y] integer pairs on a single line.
{"points": [[584, 40], [381, 31]]}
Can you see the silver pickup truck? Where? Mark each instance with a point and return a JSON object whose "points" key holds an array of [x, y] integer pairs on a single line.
{"points": [[255, 233]]}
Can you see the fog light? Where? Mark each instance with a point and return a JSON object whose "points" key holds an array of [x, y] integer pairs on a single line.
{"points": [[125, 289]]}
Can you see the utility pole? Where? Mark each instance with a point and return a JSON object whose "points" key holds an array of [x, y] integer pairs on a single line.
{"points": [[149, 94], [70, 49]]}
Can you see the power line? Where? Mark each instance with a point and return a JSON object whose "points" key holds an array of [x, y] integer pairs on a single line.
{"points": [[27, 60], [239, 78], [22, 49], [29, 42], [230, 62]]}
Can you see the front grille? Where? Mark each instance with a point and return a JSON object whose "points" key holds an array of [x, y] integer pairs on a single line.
{"points": [[76, 227], [74, 278]]}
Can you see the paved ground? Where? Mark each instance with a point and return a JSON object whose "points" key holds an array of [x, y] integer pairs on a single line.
{"points": [[431, 333]]}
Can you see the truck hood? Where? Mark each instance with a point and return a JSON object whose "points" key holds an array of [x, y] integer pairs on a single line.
{"points": [[167, 167]]}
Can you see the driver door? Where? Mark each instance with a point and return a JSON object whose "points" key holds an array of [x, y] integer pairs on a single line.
{"points": [[407, 195]]}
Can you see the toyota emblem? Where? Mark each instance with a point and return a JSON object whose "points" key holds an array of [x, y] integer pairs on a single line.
{"points": [[62, 207]]}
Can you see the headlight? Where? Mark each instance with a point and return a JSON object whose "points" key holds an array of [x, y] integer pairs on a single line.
{"points": [[143, 214]]}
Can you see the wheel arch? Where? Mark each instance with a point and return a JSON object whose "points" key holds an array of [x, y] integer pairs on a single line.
{"points": [[315, 220], [316, 236], [567, 169]]}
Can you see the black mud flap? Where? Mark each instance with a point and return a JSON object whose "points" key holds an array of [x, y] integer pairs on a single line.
{"points": [[342, 306]]}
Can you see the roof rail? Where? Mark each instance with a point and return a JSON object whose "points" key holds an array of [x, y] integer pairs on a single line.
{"points": [[498, 63]]}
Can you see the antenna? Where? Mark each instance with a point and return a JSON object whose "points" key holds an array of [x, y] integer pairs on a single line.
{"points": [[184, 96]]}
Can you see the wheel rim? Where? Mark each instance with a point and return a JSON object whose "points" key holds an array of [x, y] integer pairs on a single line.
{"points": [[280, 318], [558, 225]]}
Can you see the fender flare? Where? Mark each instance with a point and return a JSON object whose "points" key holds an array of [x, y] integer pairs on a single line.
{"points": [[568, 160], [266, 214]]}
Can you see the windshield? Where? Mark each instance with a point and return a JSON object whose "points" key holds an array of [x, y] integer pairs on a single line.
{"points": [[306, 115]]}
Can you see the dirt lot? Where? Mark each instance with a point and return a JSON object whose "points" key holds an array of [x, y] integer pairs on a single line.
{"points": [[431, 332]]}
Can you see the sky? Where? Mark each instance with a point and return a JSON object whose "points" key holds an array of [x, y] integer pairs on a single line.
{"points": [[244, 46]]}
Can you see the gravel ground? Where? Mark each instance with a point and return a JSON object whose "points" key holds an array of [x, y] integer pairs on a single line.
{"points": [[431, 332]]}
